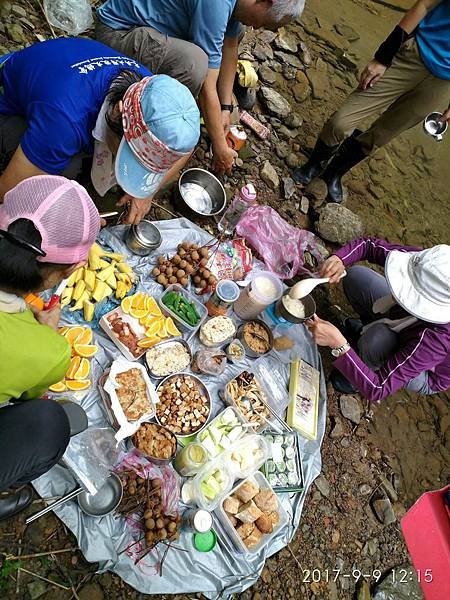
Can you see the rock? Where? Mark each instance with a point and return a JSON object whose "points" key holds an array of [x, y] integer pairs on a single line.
{"points": [[263, 52], [292, 160], [286, 132], [384, 511], [91, 591], [389, 488], [275, 103], [289, 72], [27, 23], [338, 428], [319, 83], [331, 38], [335, 537], [282, 150], [304, 205], [317, 188], [332, 591], [288, 187], [36, 589], [347, 32], [399, 510], [286, 41], [288, 59], [339, 224], [363, 590], [266, 75], [266, 36], [15, 33], [350, 408], [301, 89], [239, 162], [256, 596], [305, 54], [269, 175], [345, 442], [364, 489], [323, 486], [294, 120], [266, 576], [18, 10], [5, 8]]}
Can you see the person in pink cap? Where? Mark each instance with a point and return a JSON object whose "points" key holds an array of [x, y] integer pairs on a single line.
{"points": [[47, 225]]}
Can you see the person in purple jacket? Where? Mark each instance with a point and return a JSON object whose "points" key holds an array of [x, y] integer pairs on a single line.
{"points": [[402, 336]]}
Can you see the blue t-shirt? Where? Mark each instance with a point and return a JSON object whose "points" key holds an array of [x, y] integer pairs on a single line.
{"points": [[202, 22], [433, 39], [59, 86]]}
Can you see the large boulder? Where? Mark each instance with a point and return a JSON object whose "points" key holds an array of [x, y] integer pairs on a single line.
{"points": [[275, 103], [339, 224]]}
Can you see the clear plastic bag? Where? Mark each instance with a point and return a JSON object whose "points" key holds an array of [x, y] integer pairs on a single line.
{"points": [[211, 362], [73, 16], [281, 245]]}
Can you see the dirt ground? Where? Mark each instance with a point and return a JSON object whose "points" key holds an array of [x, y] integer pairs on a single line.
{"points": [[397, 450]]}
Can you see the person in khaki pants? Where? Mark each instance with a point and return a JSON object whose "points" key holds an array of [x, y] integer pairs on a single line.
{"points": [[408, 78]]}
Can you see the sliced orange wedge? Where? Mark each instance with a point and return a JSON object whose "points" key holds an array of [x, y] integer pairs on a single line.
{"points": [[73, 368], [138, 300], [63, 330], [138, 313], [148, 342], [58, 387], [125, 305], [162, 332], [83, 370], [85, 337], [171, 328], [78, 385], [85, 350], [73, 333], [153, 329]]}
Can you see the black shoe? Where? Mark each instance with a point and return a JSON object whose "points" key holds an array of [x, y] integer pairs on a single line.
{"points": [[246, 97], [317, 161], [350, 154], [15, 501], [341, 383]]}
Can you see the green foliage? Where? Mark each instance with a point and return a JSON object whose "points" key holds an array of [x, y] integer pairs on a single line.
{"points": [[8, 567]]}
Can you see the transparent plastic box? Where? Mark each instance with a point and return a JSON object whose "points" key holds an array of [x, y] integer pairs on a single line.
{"points": [[228, 399], [238, 416], [202, 311], [199, 497], [228, 532], [244, 445]]}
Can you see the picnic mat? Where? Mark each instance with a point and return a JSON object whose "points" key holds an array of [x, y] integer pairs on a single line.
{"points": [[221, 572]]}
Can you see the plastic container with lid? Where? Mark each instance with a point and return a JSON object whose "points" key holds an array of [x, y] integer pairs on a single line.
{"points": [[203, 313], [263, 290], [253, 450], [225, 294], [207, 493], [228, 532], [231, 414]]}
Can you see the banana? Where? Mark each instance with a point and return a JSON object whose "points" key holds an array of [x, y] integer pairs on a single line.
{"points": [[88, 310], [78, 290], [66, 296], [89, 279], [105, 274], [79, 303]]}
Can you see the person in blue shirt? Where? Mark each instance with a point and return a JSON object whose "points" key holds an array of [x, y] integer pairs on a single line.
{"points": [[195, 41], [408, 78], [69, 98]]}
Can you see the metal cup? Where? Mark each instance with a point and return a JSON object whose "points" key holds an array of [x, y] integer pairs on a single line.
{"points": [[434, 127]]}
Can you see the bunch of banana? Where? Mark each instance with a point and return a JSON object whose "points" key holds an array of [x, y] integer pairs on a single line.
{"points": [[104, 275]]}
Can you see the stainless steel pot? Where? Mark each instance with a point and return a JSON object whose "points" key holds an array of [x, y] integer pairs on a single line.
{"points": [[200, 193], [144, 238], [308, 302]]}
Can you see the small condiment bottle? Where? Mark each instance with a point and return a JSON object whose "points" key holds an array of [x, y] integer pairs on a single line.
{"points": [[223, 297], [197, 520], [190, 460]]}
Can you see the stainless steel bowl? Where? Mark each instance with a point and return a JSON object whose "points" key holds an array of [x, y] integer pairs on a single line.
{"points": [[105, 501], [308, 302], [155, 460], [200, 193], [166, 345], [248, 351], [144, 238]]}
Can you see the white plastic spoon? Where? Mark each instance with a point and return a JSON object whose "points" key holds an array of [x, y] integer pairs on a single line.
{"points": [[306, 286]]}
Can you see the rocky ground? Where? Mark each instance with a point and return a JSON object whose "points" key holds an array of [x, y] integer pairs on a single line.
{"points": [[376, 460]]}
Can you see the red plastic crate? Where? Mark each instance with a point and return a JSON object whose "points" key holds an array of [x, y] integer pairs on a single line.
{"points": [[426, 528]]}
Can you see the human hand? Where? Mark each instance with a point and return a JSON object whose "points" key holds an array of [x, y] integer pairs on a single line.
{"points": [[333, 268], [223, 159], [49, 317], [226, 121], [137, 208], [446, 116], [371, 74], [325, 333]]}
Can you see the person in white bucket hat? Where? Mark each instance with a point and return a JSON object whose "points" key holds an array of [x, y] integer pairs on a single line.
{"points": [[402, 336]]}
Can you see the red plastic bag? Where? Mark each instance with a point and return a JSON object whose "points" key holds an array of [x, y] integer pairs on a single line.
{"points": [[281, 245]]}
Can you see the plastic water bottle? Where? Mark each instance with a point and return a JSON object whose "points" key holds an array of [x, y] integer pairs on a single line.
{"points": [[236, 208]]}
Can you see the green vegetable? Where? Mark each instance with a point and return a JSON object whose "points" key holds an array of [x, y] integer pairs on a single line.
{"points": [[182, 308]]}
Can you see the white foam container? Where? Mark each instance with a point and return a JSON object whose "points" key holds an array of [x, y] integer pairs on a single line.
{"points": [[134, 324], [228, 532]]}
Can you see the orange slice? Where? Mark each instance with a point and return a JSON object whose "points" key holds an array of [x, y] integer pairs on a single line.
{"points": [[154, 310], [73, 333], [148, 342], [63, 330], [85, 337], [138, 300], [138, 313], [125, 305], [152, 305], [162, 332], [153, 329], [83, 369], [85, 350], [74, 366], [58, 387], [171, 328], [78, 385]]}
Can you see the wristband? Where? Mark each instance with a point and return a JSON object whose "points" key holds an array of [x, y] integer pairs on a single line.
{"points": [[391, 45], [229, 107]]}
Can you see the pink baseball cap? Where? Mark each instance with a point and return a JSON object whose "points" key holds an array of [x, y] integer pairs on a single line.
{"points": [[61, 210]]}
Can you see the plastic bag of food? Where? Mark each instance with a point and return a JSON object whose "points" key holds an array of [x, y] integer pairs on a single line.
{"points": [[233, 260], [281, 245], [73, 16], [211, 362]]}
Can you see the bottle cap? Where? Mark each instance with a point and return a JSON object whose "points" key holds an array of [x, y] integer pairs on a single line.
{"points": [[228, 290], [248, 192], [205, 542]]}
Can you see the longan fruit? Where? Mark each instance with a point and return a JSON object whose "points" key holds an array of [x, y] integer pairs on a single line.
{"points": [[161, 279], [173, 279], [180, 273], [176, 259], [194, 246], [203, 284], [197, 279], [184, 281], [211, 280], [181, 251], [204, 262], [169, 271], [183, 264], [206, 274], [195, 256], [204, 252], [189, 269], [163, 268], [156, 272], [185, 245]]}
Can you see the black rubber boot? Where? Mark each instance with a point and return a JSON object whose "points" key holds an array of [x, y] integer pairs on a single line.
{"points": [[317, 161], [341, 383], [14, 501], [246, 97], [350, 154]]}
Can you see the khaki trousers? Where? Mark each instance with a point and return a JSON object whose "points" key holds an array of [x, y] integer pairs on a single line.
{"points": [[160, 53], [404, 96]]}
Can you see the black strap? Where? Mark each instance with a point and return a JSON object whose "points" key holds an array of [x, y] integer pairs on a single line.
{"points": [[19, 241], [391, 45]]}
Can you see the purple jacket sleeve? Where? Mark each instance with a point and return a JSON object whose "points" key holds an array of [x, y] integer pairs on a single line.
{"points": [[370, 249], [421, 354]]}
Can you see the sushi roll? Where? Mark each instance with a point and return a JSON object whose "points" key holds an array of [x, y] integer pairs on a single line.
{"points": [[289, 452], [290, 465], [281, 467], [283, 479]]}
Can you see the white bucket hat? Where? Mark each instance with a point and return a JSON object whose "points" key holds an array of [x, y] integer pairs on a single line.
{"points": [[420, 282]]}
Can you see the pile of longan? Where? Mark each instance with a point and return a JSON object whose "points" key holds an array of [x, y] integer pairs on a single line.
{"points": [[190, 261]]}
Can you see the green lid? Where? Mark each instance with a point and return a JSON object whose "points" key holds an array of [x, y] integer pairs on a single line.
{"points": [[204, 542]]}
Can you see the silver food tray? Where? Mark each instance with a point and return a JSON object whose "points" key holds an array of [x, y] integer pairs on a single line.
{"points": [[163, 344]]}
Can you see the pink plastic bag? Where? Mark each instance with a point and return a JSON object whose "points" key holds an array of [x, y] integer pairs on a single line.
{"points": [[281, 245]]}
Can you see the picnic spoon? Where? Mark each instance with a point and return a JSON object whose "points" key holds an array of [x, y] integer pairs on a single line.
{"points": [[306, 286]]}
